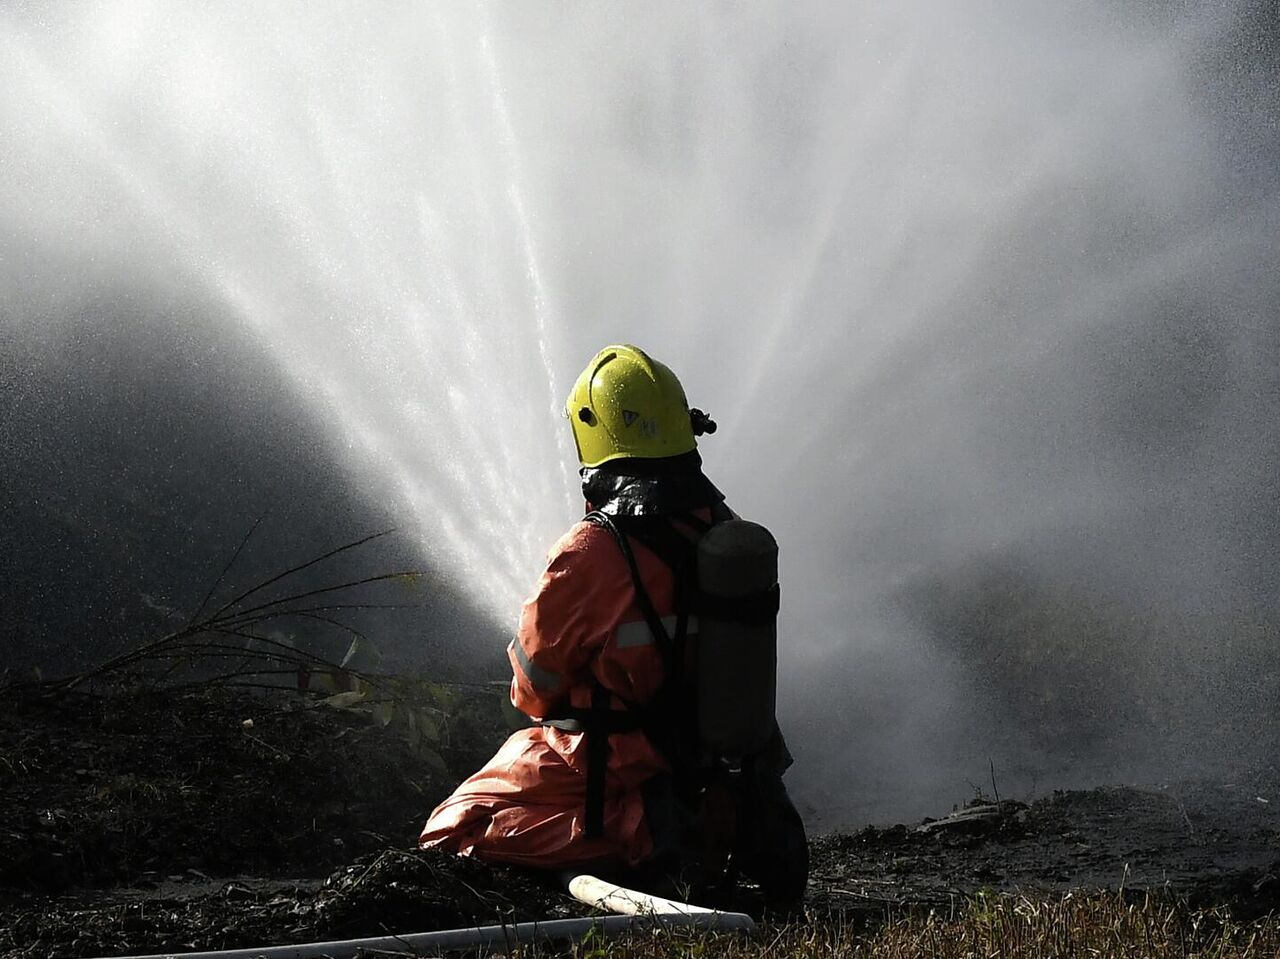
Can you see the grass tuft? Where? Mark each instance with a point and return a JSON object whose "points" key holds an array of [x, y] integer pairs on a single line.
{"points": [[1097, 925]]}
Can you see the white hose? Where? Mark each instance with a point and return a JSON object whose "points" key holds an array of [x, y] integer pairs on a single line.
{"points": [[641, 912], [613, 898]]}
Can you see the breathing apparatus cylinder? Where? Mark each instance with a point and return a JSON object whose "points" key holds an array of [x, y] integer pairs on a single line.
{"points": [[737, 638]]}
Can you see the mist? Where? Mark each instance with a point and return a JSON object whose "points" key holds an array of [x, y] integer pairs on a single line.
{"points": [[983, 298]]}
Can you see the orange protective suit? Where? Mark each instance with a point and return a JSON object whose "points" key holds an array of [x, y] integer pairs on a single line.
{"points": [[527, 806]]}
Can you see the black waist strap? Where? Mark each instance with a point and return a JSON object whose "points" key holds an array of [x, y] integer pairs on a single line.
{"points": [[587, 721]]}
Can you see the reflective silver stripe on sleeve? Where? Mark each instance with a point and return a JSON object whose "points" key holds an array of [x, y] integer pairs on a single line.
{"points": [[638, 633], [542, 678]]}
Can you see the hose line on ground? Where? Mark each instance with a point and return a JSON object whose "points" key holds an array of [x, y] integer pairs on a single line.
{"points": [[614, 898], [642, 912]]}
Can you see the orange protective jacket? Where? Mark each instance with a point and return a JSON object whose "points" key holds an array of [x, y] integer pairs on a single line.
{"points": [[527, 806]]}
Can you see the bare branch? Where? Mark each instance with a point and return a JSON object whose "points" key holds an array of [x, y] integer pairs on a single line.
{"points": [[297, 569], [218, 620], [226, 569]]}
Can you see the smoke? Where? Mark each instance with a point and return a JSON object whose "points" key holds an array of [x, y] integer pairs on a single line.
{"points": [[984, 299]]}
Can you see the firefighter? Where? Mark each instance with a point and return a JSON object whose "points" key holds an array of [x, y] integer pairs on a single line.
{"points": [[610, 774]]}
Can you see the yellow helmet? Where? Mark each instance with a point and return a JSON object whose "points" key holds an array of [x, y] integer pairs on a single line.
{"points": [[626, 404]]}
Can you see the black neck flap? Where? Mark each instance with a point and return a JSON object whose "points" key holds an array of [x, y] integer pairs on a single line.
{"points": [[658, 487]]}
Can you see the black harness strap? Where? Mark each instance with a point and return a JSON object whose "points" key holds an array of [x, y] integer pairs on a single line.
{"points": [[673, 708], [600, 721]]}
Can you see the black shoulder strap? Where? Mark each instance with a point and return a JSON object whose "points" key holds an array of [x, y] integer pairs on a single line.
{"points": [[647, 610], [680, 554]]}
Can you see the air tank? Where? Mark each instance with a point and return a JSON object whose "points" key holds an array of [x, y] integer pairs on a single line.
{"points": [[737, 638]]}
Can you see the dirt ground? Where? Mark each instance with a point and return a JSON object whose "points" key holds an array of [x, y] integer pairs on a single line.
{"points": [[1207, 844], [140, 821]]}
